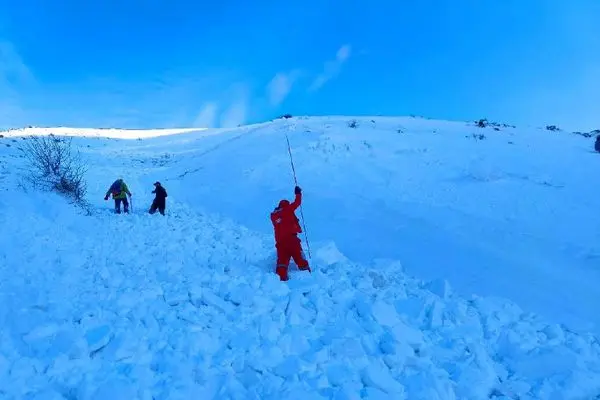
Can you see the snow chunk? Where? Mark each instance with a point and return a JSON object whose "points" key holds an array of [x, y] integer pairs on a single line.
{"points": [[329, 254], [429, 384], [413, 307], [379, 281], [474, 374], [385, 313], [4, 367], [555, 334], [379, 377], [435, 315], [272, 285], [48, 394], [542, 363], [242, 295], [115, 388], [387, 265], [373, 393], [211, 299], [439, 287], [288, 368], [175, 296], [303, 282], [42, 332], [337, 373], [97, 338]]}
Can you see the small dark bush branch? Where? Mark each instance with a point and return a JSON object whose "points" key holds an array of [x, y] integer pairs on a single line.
{"points": [[353, 124], [484, 123], [54, 166], [477, 136]]}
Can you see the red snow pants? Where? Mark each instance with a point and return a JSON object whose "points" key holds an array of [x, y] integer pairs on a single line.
{"points": [[286, 249]]}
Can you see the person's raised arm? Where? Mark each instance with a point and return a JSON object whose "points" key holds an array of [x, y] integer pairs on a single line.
{"points": [[298, 199]]}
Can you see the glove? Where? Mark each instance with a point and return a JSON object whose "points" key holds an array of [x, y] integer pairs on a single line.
{"points": [[297, 190], [105, 197]]}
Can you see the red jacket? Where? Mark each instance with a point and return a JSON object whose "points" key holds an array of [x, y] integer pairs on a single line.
{"points": [[284, 219]]}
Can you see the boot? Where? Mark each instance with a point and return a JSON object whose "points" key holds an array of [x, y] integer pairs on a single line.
{"points": [[282, 272], [305, 268]]}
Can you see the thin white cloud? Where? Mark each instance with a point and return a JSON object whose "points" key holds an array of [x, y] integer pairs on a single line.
{"points": [[343, 53], [172, 100], [15, 78], [207, 118], [12, 115], [280, 86], [332, 68], [236, 114], [13, 70], [169, 100]]}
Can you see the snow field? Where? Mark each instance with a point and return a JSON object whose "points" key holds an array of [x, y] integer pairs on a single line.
{"points": [[511, 215], [187, 306]]}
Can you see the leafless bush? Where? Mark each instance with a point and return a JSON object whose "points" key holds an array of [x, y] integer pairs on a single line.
{"points": [[54, 166], [482, 123], [353, 123]]}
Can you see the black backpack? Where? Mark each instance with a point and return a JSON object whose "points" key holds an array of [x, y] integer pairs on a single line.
{"points": [[116, 187]]}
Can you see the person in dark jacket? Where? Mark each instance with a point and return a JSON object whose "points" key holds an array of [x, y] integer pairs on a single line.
{"points": [[160, 199]]}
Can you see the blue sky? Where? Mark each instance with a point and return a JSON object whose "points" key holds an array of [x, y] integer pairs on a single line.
{"points": [[152, 63]]}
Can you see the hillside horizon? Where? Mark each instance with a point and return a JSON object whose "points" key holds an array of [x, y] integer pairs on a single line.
{"points": [[151, 132]]}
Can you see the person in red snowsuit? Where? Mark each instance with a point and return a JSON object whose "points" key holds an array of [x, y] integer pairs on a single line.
{"points": [[287, 242]]}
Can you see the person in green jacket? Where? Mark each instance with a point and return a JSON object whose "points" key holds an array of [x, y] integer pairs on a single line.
{"points": [[119, 191]]}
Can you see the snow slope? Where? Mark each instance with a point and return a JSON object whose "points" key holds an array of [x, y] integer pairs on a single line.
{"points": [[187, 306], [512, 215]]}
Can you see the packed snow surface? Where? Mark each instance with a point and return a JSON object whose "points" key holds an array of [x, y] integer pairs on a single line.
{"points": [[501, 231]]}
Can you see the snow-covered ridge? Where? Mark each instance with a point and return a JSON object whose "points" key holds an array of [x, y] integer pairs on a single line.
{"points": [[187, 306], [114, 133], [118, 133]]}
